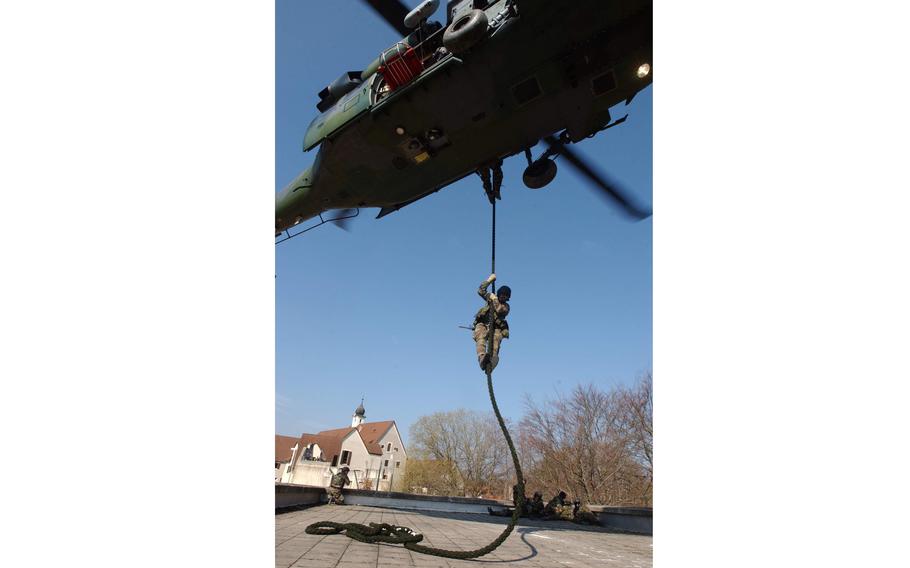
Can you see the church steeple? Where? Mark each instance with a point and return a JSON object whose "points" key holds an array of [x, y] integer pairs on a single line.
{"points": [[359, 415]]}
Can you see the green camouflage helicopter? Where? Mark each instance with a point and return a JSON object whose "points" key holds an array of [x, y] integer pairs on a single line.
{"points": [[451, 100]]}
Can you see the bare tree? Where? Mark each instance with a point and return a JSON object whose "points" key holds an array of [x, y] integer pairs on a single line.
{"points": [[471, 442], [592, 444], [637, 404]]}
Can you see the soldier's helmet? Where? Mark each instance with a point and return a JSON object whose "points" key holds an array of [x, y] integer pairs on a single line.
{"points": [[345, 469], [504, 293]]}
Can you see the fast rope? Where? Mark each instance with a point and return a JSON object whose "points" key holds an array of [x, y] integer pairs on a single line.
{"points": [[394, 534]]}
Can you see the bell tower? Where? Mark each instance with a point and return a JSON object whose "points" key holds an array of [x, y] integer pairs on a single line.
{"points": [[359, 415]]}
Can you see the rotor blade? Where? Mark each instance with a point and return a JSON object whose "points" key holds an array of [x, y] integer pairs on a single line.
{"points": [[599, 180], [392, 11], [343, 219]]}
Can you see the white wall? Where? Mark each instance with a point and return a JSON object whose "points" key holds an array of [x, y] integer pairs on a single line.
{"points": [[400, 455], [310, 473], [304, 471], [361, 461]]}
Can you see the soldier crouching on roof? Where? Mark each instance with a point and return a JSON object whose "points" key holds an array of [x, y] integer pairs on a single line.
{"points": [[339, 480], [500, 304], [536, 506], [582, 515], [557, 508]]}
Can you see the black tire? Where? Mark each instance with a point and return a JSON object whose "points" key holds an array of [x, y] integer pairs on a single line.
{"points": [[465, 32], [539, 174]]}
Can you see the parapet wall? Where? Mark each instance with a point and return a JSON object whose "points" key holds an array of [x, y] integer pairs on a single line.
{"points": [[291, 495], [287, 495], [637, 520], [631, 519]]}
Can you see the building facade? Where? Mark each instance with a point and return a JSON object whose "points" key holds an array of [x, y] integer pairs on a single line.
{"points": [[373, 452]]}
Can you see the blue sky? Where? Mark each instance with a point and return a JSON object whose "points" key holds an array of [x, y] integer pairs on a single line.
{"points": [[375, 312]]}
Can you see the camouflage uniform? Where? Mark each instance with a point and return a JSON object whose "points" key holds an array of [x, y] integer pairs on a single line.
{"points": [[481, 320], [583, 516], [536, 506], [339, 480], [557, 508], [565, 512]]}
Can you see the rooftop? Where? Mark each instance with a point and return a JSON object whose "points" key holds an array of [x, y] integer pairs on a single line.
{"points": [[533, 543]]}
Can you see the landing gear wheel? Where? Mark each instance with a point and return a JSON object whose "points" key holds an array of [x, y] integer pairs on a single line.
{"points": [[465, 32], [539, 173]]}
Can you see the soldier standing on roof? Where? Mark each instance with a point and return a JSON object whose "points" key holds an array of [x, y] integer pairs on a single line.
{"points": [[500, 304]]}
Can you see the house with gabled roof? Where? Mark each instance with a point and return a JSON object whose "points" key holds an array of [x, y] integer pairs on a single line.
{"points": [[373, 452]]}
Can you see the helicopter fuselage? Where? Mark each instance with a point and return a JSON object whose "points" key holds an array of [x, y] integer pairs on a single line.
{"points": [[554, 68]]}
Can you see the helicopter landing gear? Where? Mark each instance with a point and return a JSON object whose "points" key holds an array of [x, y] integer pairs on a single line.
{"points": [[539, 172]]}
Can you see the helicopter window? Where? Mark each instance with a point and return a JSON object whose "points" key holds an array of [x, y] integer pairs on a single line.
{"points": [[526, 91], [379, 88], [603, 83]]}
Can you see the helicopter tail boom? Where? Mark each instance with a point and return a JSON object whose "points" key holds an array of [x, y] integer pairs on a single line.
{"points": [[295, 203]]}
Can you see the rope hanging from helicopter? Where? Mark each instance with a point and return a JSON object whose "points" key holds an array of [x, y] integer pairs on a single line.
{"points": [[394, 534]]}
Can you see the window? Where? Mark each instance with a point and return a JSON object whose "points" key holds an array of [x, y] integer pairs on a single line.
{"points": [[604, 83], [334, 460], [386, 463], [385, 475], [526, 91], [389, 447], [396, 448], [345, 457], [397, 464]]}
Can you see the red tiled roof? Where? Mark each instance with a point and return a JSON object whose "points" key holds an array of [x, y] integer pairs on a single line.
{"points": [[330, 440], [336, 432], [329, 444], [372, 432], [284, 447], [333, 440]]}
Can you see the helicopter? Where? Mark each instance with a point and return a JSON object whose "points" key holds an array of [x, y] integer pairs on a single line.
{"points": [[450, 100]]}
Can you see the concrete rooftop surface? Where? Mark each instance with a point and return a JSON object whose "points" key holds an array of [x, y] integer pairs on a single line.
{"points": [[532, 543]]}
